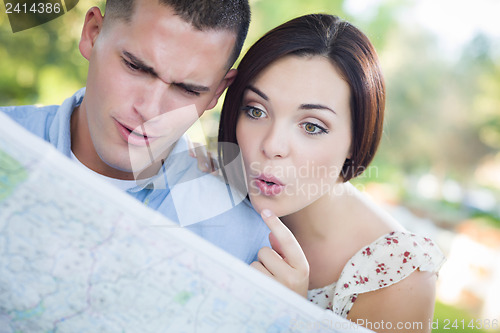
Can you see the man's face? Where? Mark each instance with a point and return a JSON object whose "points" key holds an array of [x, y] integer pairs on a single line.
{"points": [[149, 80]]}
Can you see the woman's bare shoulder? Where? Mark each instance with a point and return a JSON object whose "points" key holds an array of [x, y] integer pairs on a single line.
{"points": [[406, 306]]}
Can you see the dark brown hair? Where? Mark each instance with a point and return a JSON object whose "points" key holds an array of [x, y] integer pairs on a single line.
{"points": [[232, 15], [348, 49]]}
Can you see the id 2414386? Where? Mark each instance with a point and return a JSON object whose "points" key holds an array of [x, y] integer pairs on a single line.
{"points": [[33, 8], [460, 325]]}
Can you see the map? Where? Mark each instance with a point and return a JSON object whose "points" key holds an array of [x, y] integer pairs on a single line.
{"points": [[78, 255]]}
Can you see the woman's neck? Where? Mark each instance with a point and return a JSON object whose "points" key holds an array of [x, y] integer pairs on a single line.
{"points": [[317, 221]]}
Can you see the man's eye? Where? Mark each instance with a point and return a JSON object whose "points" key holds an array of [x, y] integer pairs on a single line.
{"points": [[191, 92], [131, 65]]}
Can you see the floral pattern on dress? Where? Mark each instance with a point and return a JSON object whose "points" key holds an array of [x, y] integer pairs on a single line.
{"points": [[387, 260]]}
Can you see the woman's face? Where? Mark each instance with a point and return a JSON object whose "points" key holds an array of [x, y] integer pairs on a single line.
{"points": [[294, 132]]}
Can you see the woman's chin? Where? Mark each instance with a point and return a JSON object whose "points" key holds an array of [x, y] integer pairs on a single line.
{"points": [[260, 203]]}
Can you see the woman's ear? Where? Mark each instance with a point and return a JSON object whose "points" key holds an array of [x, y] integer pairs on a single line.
{"points": [[349, 153], [91, 29]]}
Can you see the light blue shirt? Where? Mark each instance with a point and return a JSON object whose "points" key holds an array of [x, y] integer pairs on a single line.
{"points": [[198, 201]]}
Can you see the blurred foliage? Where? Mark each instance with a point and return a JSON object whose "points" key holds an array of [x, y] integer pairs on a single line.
{"points": [[449, 318], [268, 14], [442, 115], [43, 64], [432, 105]]}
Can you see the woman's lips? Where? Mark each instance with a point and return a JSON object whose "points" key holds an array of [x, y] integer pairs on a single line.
{"points": [[269, 185]]}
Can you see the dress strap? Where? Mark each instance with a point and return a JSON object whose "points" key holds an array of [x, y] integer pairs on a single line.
{"points": [[386, 261]]}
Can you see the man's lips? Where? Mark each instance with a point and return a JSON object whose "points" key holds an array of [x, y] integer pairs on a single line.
{"points": [[134, 137]]}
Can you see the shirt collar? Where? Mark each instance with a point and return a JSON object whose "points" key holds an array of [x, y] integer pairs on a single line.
{"points": [[59, 130], [171, 171]]}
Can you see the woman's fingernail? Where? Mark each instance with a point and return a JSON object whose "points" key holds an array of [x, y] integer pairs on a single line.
{"points": [[267, 213]]}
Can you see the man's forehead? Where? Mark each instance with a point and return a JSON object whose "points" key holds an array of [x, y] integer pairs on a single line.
{"points": [[172, 48]]}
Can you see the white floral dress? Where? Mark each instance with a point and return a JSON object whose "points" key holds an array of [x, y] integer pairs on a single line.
{"points": [[387, 260]]}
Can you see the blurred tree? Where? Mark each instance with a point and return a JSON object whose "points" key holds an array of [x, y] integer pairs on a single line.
{"points": [[442, 117], [43, 64], [478, 62], [268, 14]]}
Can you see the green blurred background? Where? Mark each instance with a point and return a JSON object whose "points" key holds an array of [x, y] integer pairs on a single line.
{"points": [[438, 167]]}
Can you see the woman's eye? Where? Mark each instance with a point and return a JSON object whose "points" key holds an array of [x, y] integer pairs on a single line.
{"points": [[311, 128], [254, 112]]}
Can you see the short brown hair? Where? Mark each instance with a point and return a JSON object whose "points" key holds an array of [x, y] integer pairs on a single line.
{"points": [[348, 49], [232, 15]]}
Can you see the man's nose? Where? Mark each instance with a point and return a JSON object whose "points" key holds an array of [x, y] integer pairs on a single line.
{"points": [[151, 100]]}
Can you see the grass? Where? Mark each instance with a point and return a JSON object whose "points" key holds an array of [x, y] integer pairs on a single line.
{"points": [[451, 319]]}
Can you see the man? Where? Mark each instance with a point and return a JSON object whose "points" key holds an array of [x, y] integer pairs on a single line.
{"points": [[154, 67]]}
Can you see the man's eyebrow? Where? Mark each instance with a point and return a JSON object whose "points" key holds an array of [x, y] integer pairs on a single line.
{"points": [[258, 92], [191, 87], [150, 70], [315, 107], [140, 64]]}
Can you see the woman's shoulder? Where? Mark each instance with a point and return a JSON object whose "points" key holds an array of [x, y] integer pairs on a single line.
{"points": [[390, 259], [384, 244], [358, 222], [387, 260], [377, 253], [365, 220], [411, 300]]}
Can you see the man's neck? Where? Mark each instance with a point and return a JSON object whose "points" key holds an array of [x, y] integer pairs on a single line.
{"points": [[83, 148]]}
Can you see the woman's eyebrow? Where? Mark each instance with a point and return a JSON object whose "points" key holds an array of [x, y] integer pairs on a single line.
{"points": [[258, 92], [315, 107], [307, 106]]}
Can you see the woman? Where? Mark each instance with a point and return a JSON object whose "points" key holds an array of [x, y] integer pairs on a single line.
{"points": [[306, 110]]}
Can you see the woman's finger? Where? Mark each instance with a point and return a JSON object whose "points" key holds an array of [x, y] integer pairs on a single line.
{"points": [[190, 147], [275, 264], [202, 155], [258, 266], [284, 242], [214, 165]]}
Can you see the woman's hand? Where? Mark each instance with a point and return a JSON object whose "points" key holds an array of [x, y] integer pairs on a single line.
{"points": [[285, 262], [207, 161]]}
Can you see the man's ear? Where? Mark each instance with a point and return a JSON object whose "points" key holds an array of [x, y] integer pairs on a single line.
{"points": [[91, 29], [226, 82]]}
